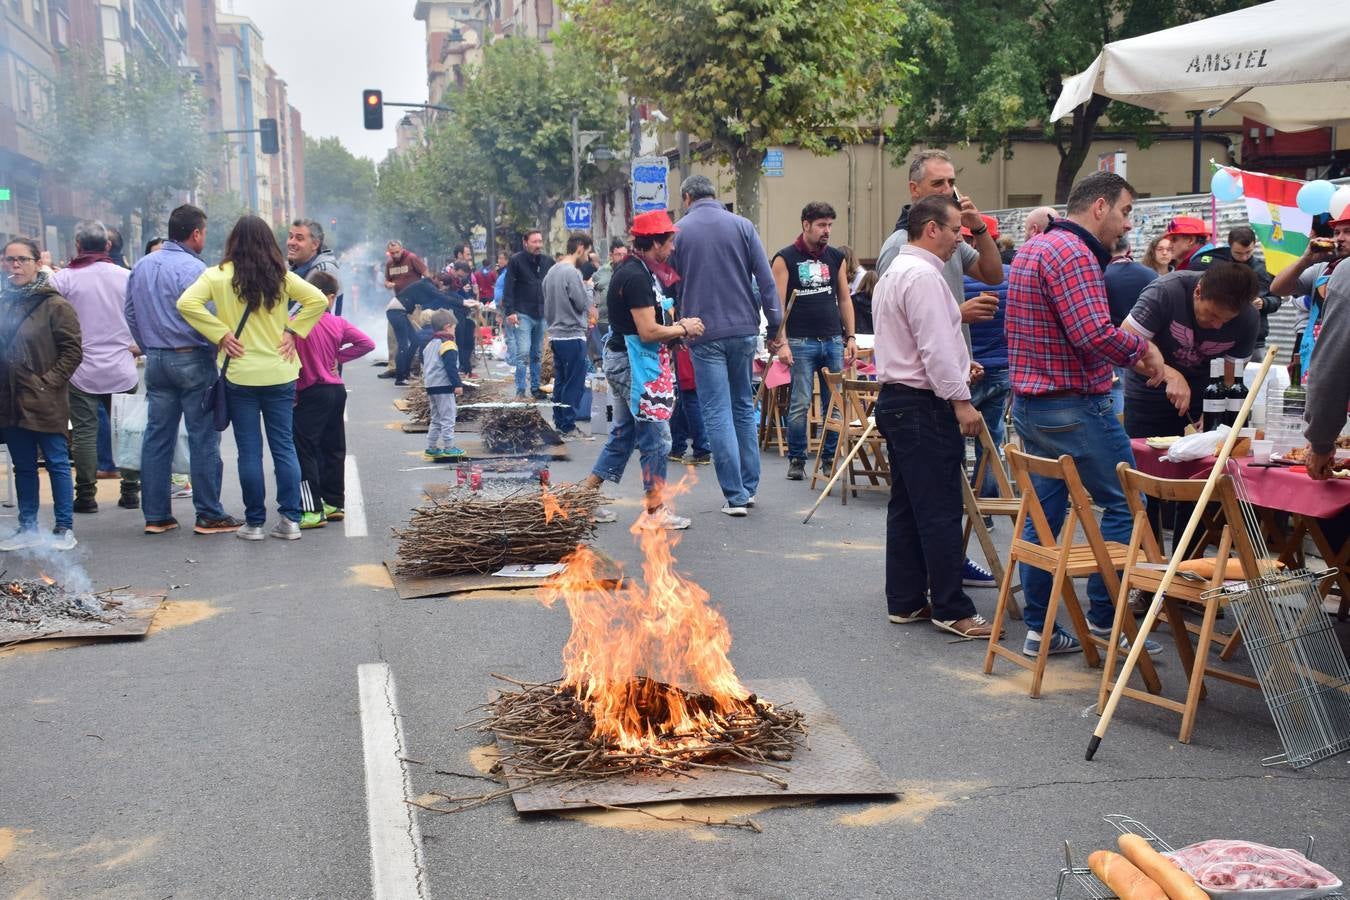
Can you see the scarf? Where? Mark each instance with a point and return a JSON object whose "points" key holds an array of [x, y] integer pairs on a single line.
{"points": [[800, 246], [21, 293], [88, 258]]}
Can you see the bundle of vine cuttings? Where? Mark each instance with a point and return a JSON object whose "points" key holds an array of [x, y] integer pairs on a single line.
{"points": [[477, 535], [517, 429], [418, 409]]}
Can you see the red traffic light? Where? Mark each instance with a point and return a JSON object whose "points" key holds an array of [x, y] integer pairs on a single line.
{"points": [[373, 109]]}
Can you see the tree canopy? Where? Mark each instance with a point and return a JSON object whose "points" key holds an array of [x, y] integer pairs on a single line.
{"points": [[133, 138], [338, 186], [988, 69], [748, 74]]}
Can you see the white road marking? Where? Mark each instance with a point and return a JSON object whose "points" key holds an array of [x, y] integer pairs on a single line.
{"points": [[354, 520], [397, 871]]}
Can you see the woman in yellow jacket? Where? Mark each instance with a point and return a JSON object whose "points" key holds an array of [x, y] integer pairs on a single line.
{"points": [[263, 368]]}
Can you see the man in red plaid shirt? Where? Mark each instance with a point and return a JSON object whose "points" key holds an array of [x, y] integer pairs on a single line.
{"points": [[1062, 354]]}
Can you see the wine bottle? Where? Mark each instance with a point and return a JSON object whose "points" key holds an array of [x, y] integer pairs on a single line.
{"points": [[1234, 397], [1215, 403]]}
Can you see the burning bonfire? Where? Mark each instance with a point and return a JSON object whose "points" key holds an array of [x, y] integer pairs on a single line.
{"points": [[41, 605], [647, 687]]}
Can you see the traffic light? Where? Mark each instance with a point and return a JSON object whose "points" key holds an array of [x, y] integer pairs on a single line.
{"points": [[373, 107], [267, 129]]}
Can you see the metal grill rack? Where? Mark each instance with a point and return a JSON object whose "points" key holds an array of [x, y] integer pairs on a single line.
{"points": [[1078, 882], [1298, 661]]}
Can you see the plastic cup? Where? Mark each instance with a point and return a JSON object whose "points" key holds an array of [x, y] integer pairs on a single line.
{"points": [[1261, 451]]}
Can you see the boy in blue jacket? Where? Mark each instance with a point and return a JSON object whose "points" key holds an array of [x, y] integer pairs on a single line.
{"points": [[440, 374]]}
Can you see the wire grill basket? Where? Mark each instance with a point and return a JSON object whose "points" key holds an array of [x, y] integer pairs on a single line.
{"points": [[1298, 661]]}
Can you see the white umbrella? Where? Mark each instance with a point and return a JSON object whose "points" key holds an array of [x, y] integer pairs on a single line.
{"points": [[1284, 63]]}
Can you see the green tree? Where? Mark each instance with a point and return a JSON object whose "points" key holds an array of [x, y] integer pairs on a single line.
{"points": [[222, 211], [134, 138], [407, 208], [516, 109], [341, 186], [748, 74], [991, 68]]}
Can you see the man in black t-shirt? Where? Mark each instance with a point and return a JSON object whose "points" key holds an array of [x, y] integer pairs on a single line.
{"points": [[1193, 317], [818, 325]]}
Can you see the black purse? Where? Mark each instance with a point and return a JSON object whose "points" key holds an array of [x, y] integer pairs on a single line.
{"points": [[216, 402]]}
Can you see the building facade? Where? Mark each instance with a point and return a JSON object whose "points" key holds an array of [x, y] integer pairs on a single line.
{"points": [[27, 78]]}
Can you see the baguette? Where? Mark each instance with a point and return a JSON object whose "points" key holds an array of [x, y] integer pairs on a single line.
{"points": [[1165, 873], [1120, 875]]}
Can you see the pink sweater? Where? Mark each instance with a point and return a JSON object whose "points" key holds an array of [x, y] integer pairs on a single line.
{"points": [[332, 342]]}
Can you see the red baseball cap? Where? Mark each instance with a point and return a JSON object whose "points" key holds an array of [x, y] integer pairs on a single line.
{"points": [[657, 221], [1339, 222], [1187, 225]]}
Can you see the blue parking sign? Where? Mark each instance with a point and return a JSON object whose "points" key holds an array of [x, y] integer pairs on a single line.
{"points": [[577, 215]]}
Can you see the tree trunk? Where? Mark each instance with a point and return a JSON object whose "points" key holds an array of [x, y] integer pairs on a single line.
{"points": [[747, 163], [1071, 158], [545, 223]]}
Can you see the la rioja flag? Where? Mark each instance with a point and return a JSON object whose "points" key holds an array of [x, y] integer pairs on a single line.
{"points": [[1274, 215]]}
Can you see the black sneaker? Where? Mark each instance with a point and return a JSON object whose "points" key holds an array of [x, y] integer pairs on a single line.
{"points": [[86, 505], [827, 467], [796, 469], [217, 526], [387, 374], [161, 526], [538, 394], [129, 501], [400, 382]]}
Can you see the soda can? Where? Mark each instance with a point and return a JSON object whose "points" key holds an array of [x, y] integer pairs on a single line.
{"points": [[476, 479], [461, 476], [543, 477]]}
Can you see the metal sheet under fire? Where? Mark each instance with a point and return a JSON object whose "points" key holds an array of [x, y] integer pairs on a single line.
{"points": [[834, 765]]}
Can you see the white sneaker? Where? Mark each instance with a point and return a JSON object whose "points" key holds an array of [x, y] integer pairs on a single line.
{"points": [[21, 540], [183, 492], [739, 512], [750, 504], [286, 530], [63, 539], [604, 516], [665, 518], [251, 533]]}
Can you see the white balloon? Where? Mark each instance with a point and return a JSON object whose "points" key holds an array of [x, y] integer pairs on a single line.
{"points": [[1340, 201]]}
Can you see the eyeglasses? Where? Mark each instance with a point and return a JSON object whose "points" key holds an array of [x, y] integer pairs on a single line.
{"points": [[11, 260]]}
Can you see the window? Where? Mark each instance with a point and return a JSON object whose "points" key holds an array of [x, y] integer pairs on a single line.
{"points": [[111, 18]]}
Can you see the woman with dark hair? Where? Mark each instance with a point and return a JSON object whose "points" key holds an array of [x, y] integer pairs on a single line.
{"points": [[250, 289], [41, 349], [1158, 257]]}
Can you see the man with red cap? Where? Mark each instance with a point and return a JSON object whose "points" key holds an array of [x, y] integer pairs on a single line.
{"points": [[1306, 279], [639, 369], [1189, 236]]}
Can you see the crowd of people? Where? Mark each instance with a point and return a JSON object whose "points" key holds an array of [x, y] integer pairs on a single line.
{"points": [[247, 342]]}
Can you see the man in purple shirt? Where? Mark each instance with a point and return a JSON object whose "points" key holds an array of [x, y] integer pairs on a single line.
{"points": [[97, 288], [180, 367]]}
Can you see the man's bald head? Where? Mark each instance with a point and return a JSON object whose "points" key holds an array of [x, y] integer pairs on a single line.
{"points": [[1037, 221]]}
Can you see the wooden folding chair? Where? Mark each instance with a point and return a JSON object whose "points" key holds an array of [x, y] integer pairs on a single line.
{"points": [[1065, 558], [977, 508], [1144, 567], [772, 417], [869, 469]]}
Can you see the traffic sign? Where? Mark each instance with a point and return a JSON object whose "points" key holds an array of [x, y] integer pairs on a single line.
{"points": [[650, 174], [577, 215], [4, 195]]}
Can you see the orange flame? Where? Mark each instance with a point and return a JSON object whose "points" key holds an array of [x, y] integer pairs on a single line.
{"points": [[46, 578], [552, 508], [629, 642]]}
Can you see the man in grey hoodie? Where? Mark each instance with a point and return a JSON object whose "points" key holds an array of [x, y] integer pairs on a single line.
{"points": [[727, 281], [1329, 376], [567, 309]]}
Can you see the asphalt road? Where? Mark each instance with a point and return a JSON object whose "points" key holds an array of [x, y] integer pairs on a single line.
{"points": [[222, 756]]}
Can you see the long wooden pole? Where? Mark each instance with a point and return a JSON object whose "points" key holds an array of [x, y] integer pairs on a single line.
{"points": [[842, 467], [1179, 554]]}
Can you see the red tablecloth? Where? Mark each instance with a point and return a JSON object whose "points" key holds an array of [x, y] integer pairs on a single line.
{"points": [[1274, 487]]}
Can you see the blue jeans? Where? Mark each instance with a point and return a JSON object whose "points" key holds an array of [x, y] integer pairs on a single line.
{"points": [[1085, 428], [1118, 392], [722, 371], [529, 352], [686, 425], [23, 448], [175, 386], [406, 338], [808, 356], [275, 404], [652, 439], [569, 382], [990, 396], [105, 454]]}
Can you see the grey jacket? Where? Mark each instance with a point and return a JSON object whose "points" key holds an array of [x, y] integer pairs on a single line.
{"points": [[567, 302], [1329, 368], [727, 279]]}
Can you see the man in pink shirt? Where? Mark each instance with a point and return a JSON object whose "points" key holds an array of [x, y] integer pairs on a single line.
{"points": [[924, 412], [320, 398]]}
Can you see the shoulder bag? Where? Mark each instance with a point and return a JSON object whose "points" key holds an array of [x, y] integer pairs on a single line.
{"points": [[215, 402]]}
